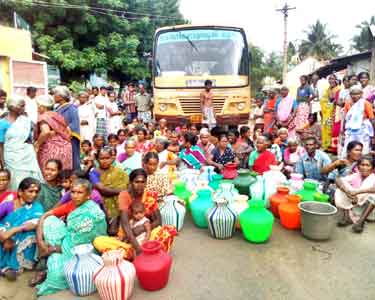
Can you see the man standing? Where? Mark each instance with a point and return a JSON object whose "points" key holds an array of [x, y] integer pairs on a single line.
{"points": [[207, 105], [143, 103], [100, 102], [129, 101], [31, 107]]}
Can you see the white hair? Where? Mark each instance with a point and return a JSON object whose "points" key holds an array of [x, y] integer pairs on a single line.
{"points": [[15, 100], [63, 91], [45, 100]]}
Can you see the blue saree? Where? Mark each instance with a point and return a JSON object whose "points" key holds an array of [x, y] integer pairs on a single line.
{"points": [[70, 113], [23, 254]]}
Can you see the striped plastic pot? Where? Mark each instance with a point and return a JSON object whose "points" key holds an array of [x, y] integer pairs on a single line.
{"points": [[172, 212], [115, 280], [221, 219], [80, 269]]}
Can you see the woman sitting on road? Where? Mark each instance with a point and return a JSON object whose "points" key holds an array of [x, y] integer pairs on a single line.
{"points": [[192, 155], [222, 155], [355, 195]]}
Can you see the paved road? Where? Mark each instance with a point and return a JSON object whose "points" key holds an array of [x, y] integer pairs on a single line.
{"points": [[287, 267]]}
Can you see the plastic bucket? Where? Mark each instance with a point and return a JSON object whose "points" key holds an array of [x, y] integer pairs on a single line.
{"points": [[317, 220]]}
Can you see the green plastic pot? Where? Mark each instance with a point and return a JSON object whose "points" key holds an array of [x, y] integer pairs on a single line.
{"points": [[320, 197], [308, 191], [256, 222], [182, 192], [215, 182], [243, 181], [199, 207]]}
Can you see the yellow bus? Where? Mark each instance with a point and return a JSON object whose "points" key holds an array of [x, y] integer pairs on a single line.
{"points": [[184, 57]]}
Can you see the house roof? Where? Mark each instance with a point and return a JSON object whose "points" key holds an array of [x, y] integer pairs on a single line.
{"points": [[341, 63]]}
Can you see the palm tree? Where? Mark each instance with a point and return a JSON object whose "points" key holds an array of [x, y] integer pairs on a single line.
{"points": [[361, 41], [319, 43]]}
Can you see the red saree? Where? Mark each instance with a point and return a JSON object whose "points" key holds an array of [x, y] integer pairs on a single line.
{"points": [[264, 161]]}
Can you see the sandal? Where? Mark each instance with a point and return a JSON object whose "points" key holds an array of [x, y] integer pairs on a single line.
{"points": [[10, 274], [343, 222], [358, 227], [38, 278]]}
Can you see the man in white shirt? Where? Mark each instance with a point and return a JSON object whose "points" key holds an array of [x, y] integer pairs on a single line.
{"points": [[31, 107], [100, 102]]}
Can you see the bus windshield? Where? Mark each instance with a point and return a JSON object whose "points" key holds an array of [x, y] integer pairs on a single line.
{"points": [[201, 53]]}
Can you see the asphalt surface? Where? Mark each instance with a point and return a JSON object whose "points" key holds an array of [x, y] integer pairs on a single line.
{"points": [[287, 267]]}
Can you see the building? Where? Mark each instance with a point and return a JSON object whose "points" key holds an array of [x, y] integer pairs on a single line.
{"points": [[19, 67]]}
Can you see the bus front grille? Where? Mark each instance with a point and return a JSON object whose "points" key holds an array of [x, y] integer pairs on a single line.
{"points": [[192, 106]]}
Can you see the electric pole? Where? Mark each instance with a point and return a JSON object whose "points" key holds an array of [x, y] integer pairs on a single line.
{"points": [[285, 11]]}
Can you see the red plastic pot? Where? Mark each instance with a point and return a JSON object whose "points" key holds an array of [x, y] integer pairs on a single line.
{"points": [[153, 266], [230, 171]]}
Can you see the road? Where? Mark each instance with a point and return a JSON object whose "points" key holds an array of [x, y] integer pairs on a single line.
{"points": [[287, 267]]}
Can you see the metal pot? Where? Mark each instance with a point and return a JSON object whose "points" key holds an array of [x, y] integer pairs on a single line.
{"points": [[317, 219]]}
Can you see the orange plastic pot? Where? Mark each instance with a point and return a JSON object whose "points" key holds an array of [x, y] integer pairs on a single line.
{"points": [[277, 199], [290, 214]]}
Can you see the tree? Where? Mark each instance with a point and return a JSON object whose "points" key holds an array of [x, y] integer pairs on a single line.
{"points": [[319, 43], [82, 37], [361, 41], [263, 65]]}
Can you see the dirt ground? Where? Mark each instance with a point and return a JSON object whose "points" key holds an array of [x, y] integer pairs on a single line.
{"points": [[287, 267]]}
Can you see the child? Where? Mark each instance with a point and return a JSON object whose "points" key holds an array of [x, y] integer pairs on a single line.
{"points": [[258, 112], [206, 96], [273, 147], [5, 194], [139, 219], [113, 140], [174, 143], [86, 150], [66, 181], [99, 143]]}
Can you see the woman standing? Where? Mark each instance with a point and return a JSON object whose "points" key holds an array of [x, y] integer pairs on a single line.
{"points": [[304, 95], [269, 111], [327, 103], [368, 90], [18, 221], [50, 191], [86, 113], [359, 120], [137, 193], [222, 155], [70, 114], [114, 113], [52, 135], [17, 153], [286, 108]]}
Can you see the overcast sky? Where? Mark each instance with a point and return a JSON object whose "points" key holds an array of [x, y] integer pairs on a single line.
{"points": [[264, 26]]}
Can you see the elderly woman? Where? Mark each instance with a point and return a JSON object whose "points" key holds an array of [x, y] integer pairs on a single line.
{"points": [[70, 113], [133, 159], [86, 113], [286, 108], [359, 120], [137, 193], [52, 135], [18, 221], [17, 153], [57, 239], [368, 90]]}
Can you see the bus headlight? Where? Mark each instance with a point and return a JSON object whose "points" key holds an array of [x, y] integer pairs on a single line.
{"points": [[163, 107], [241, 106]]}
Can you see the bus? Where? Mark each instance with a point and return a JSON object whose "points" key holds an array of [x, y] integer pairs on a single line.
{"points": [[184, 57]]}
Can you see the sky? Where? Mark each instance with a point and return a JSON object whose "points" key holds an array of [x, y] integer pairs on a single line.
{"points": [[264, 26]]}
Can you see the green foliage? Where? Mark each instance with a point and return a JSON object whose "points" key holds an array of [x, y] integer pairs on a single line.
{"points": [[319, 43], [263, 65], [83, 40], [361, 41]]}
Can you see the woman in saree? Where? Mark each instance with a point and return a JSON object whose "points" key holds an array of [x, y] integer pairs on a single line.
{"points": [[286, 107], [109, 181], [191, 155], [133, 158], [70, 113], [52, 135], [143, 145], [359, 120], [355, 193], [261, 159], [18, 221], [126, 239], [17, 153], [5, 193], [304, 96], [311, 129], [50, 191], [57, 240], [368, 90], [330, 119], [157, 182], [269, 110]]}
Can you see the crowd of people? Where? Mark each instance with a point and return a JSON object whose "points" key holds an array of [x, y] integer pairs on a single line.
{"points": [[95, 167]]}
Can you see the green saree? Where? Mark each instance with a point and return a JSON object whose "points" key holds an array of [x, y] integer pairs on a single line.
{"points": [[49, 195]]}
